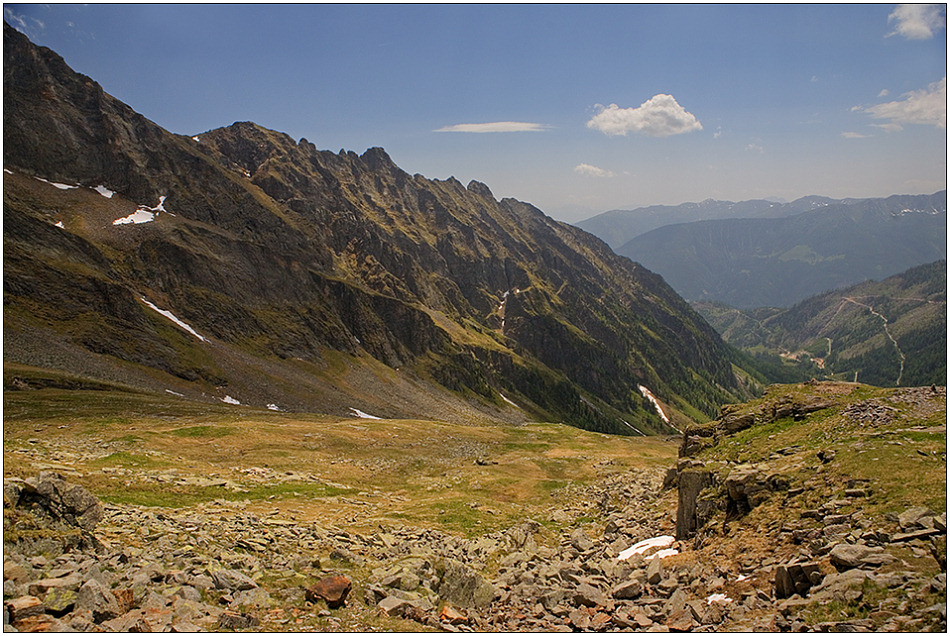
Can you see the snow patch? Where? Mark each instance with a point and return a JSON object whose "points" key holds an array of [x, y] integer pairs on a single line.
{"points": [[632, 427], [104, 191], [139, 216], [227, 399], [144, 214], [196, 138], [272, 407], [508, 401], [361, 414], [663, 541], [656, 403], [174, 393], [717, 598], [8, 171], [175, 320], [662, 554], [60, 224], [61, 186]]}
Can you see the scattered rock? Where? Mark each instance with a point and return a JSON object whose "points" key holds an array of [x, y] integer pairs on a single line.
{"points": [[332, 589]]}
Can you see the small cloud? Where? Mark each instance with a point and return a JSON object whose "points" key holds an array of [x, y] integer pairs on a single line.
{"points": [[917, 21], [659, 116], [853, 135], [889, 128], [494, 127], [718, 133], [927, 106], [755, 148], [814, 79], [884, 93], [592, 171]]}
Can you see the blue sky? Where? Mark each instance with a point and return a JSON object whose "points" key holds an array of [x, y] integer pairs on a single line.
{"points": [[576, 109]]}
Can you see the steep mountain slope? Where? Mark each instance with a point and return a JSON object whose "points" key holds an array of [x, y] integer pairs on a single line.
{"points": [[887, 333], [778, 262], [310, 280], [617, 227]]}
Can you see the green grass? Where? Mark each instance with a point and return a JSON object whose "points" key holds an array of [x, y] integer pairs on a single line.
{"points": [[202, 431]]}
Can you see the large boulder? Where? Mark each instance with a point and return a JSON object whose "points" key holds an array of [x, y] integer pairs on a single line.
{"points": [[51, 496], [462, 586]]}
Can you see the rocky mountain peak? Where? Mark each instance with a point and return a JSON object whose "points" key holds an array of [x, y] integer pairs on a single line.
{"points": [[283, 255]]}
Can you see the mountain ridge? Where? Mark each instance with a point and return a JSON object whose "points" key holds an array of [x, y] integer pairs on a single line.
{"points": [[320, 279], [777, 262]]}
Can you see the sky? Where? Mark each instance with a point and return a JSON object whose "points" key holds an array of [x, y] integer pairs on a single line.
{"points": [[577, 109]]}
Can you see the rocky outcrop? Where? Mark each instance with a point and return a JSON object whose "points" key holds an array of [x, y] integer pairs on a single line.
{"points": [[697, 437]]}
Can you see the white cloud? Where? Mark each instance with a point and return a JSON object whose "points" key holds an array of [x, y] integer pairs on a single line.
{"points": [[889, 128], [853, 135], [755, 148], [495, 127], [917, 21], [884, 93], [659, 116], [28, 26], [592, 171], [928, 106]]}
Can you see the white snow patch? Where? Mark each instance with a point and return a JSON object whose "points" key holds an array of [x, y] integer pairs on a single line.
{"points": [[174, 393], [662, 554], [139, 216], [8, 171], [631, 426], [272, 407], [196, 138], [61, 186], [144, 214], [717, 598], [227, 399], [663, 541], [60, 224], [104, 191], [175, 320], [656, 403], [508, 401], [361, 414]]}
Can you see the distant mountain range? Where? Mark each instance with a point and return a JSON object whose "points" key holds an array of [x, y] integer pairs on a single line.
{"points": [[617, 227], [243, 266], [754, 262], [887, 333]]}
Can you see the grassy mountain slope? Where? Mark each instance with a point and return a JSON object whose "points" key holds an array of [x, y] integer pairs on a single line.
{"points": [[319, 281], [886, 333], [778, 262]]}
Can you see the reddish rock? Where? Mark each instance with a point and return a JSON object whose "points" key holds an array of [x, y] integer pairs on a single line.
{"points": [[24, 607], [452, 616], [332, 589]]}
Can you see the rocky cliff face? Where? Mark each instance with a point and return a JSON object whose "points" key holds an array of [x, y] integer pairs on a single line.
{"points": [[318, 280]]}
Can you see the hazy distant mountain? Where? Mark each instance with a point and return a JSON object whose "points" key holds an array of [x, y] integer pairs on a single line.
{"points": [[616, 227], [245, 266], [780, 261], [885, 333]]}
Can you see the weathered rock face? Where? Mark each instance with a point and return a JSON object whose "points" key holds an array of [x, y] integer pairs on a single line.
{"points": [[692, 481], [48, 514]]}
